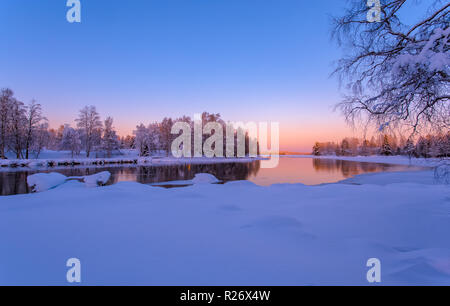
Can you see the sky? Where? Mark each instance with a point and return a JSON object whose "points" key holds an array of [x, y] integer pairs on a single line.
{"points": [[141, 60]]}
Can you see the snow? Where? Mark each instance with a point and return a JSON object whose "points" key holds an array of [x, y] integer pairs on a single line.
{"points": [[435, 60], [199, 178], [392, 160], [97, 179], [44, 181], [204, 178], [51, 159], [236, 233], [40, 182], [386, 178]]}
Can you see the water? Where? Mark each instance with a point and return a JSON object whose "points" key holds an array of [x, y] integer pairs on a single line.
{"points": [[290, 170]]}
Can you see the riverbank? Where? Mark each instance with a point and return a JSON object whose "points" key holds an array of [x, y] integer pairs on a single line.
{"points": [[232, 234], [55, 159], [391, 160]]}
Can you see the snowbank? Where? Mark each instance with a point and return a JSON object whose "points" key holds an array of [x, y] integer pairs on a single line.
{"points": [[147, 161], [204, 178], [387, 178], [232, 234], [393, 160], [199, 178], [98, 179], [44, 181], [40, 182]]}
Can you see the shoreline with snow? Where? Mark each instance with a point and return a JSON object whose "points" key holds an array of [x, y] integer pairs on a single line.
{"points": [[392, 160], [141, 161], [236, 233]]}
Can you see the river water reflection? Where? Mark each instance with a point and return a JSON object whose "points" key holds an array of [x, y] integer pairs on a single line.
{"points": [[308, 171]]}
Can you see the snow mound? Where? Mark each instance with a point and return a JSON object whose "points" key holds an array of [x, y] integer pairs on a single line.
{"points": [[98, 179], [44, 181], [204, 178]]}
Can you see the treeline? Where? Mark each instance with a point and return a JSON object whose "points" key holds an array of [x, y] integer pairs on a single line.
{"points": [[24, 131], [388, 145], [157, 136]]}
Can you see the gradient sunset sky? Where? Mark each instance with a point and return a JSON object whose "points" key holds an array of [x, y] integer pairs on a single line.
{"points": [[141, 60]]}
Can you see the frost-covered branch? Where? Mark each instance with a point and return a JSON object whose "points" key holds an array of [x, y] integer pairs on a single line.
{"points": [[396, 75]]}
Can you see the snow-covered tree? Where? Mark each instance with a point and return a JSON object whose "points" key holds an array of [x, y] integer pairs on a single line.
{"points": [[386, 147], [422, 147], [316, 149], [365, 148], [71, 140], [17, 130], [41, 138], [345, 147], [154, 137], [90, 125], [141, 141], [409, 149], [127, 142], [110, 140], [34, 118], [6, 98], [165, 134], [397, 75]]}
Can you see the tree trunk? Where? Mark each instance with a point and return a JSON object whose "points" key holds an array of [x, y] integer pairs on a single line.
{"points": [[27, 149]]}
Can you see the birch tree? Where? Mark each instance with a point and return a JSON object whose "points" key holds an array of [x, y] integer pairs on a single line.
{"points": [[34, 118], [6, 96], [71, 140], [89, 123], [110, 141], [396, 75], [17, 124]]}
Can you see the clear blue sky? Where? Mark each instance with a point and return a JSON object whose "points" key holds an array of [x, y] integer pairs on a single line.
{"points": [[141, 60]]}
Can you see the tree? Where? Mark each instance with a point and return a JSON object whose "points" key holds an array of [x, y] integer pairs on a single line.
{"points": [[6, 97], [316, 149], [110, 141], [127, 142], [154, 137], [41, 138], [397, 75], [34, 118], [141, 140], [71, 140], [345, 147], [165, 133], [90, 125], [17, 123], [409, 148], [386, 148]]}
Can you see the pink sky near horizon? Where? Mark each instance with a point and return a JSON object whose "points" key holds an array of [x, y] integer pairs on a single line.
{"points": [[140, 61]]}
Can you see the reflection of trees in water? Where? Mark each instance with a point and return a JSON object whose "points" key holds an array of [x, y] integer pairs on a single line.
{"points": [[347, 168], [13, 183], [16, 182], [226, 172]]}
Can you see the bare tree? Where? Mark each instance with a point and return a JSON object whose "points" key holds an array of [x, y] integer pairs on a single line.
{"points": [[110, 141], [6, 96], [165, 132], [17, 123], [71, 140], [34, 118], [396, 75], [89, 123], [41, 138]]}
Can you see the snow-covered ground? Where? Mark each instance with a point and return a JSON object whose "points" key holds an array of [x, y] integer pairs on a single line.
{"points": [[394, 160], [237, 233]]}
